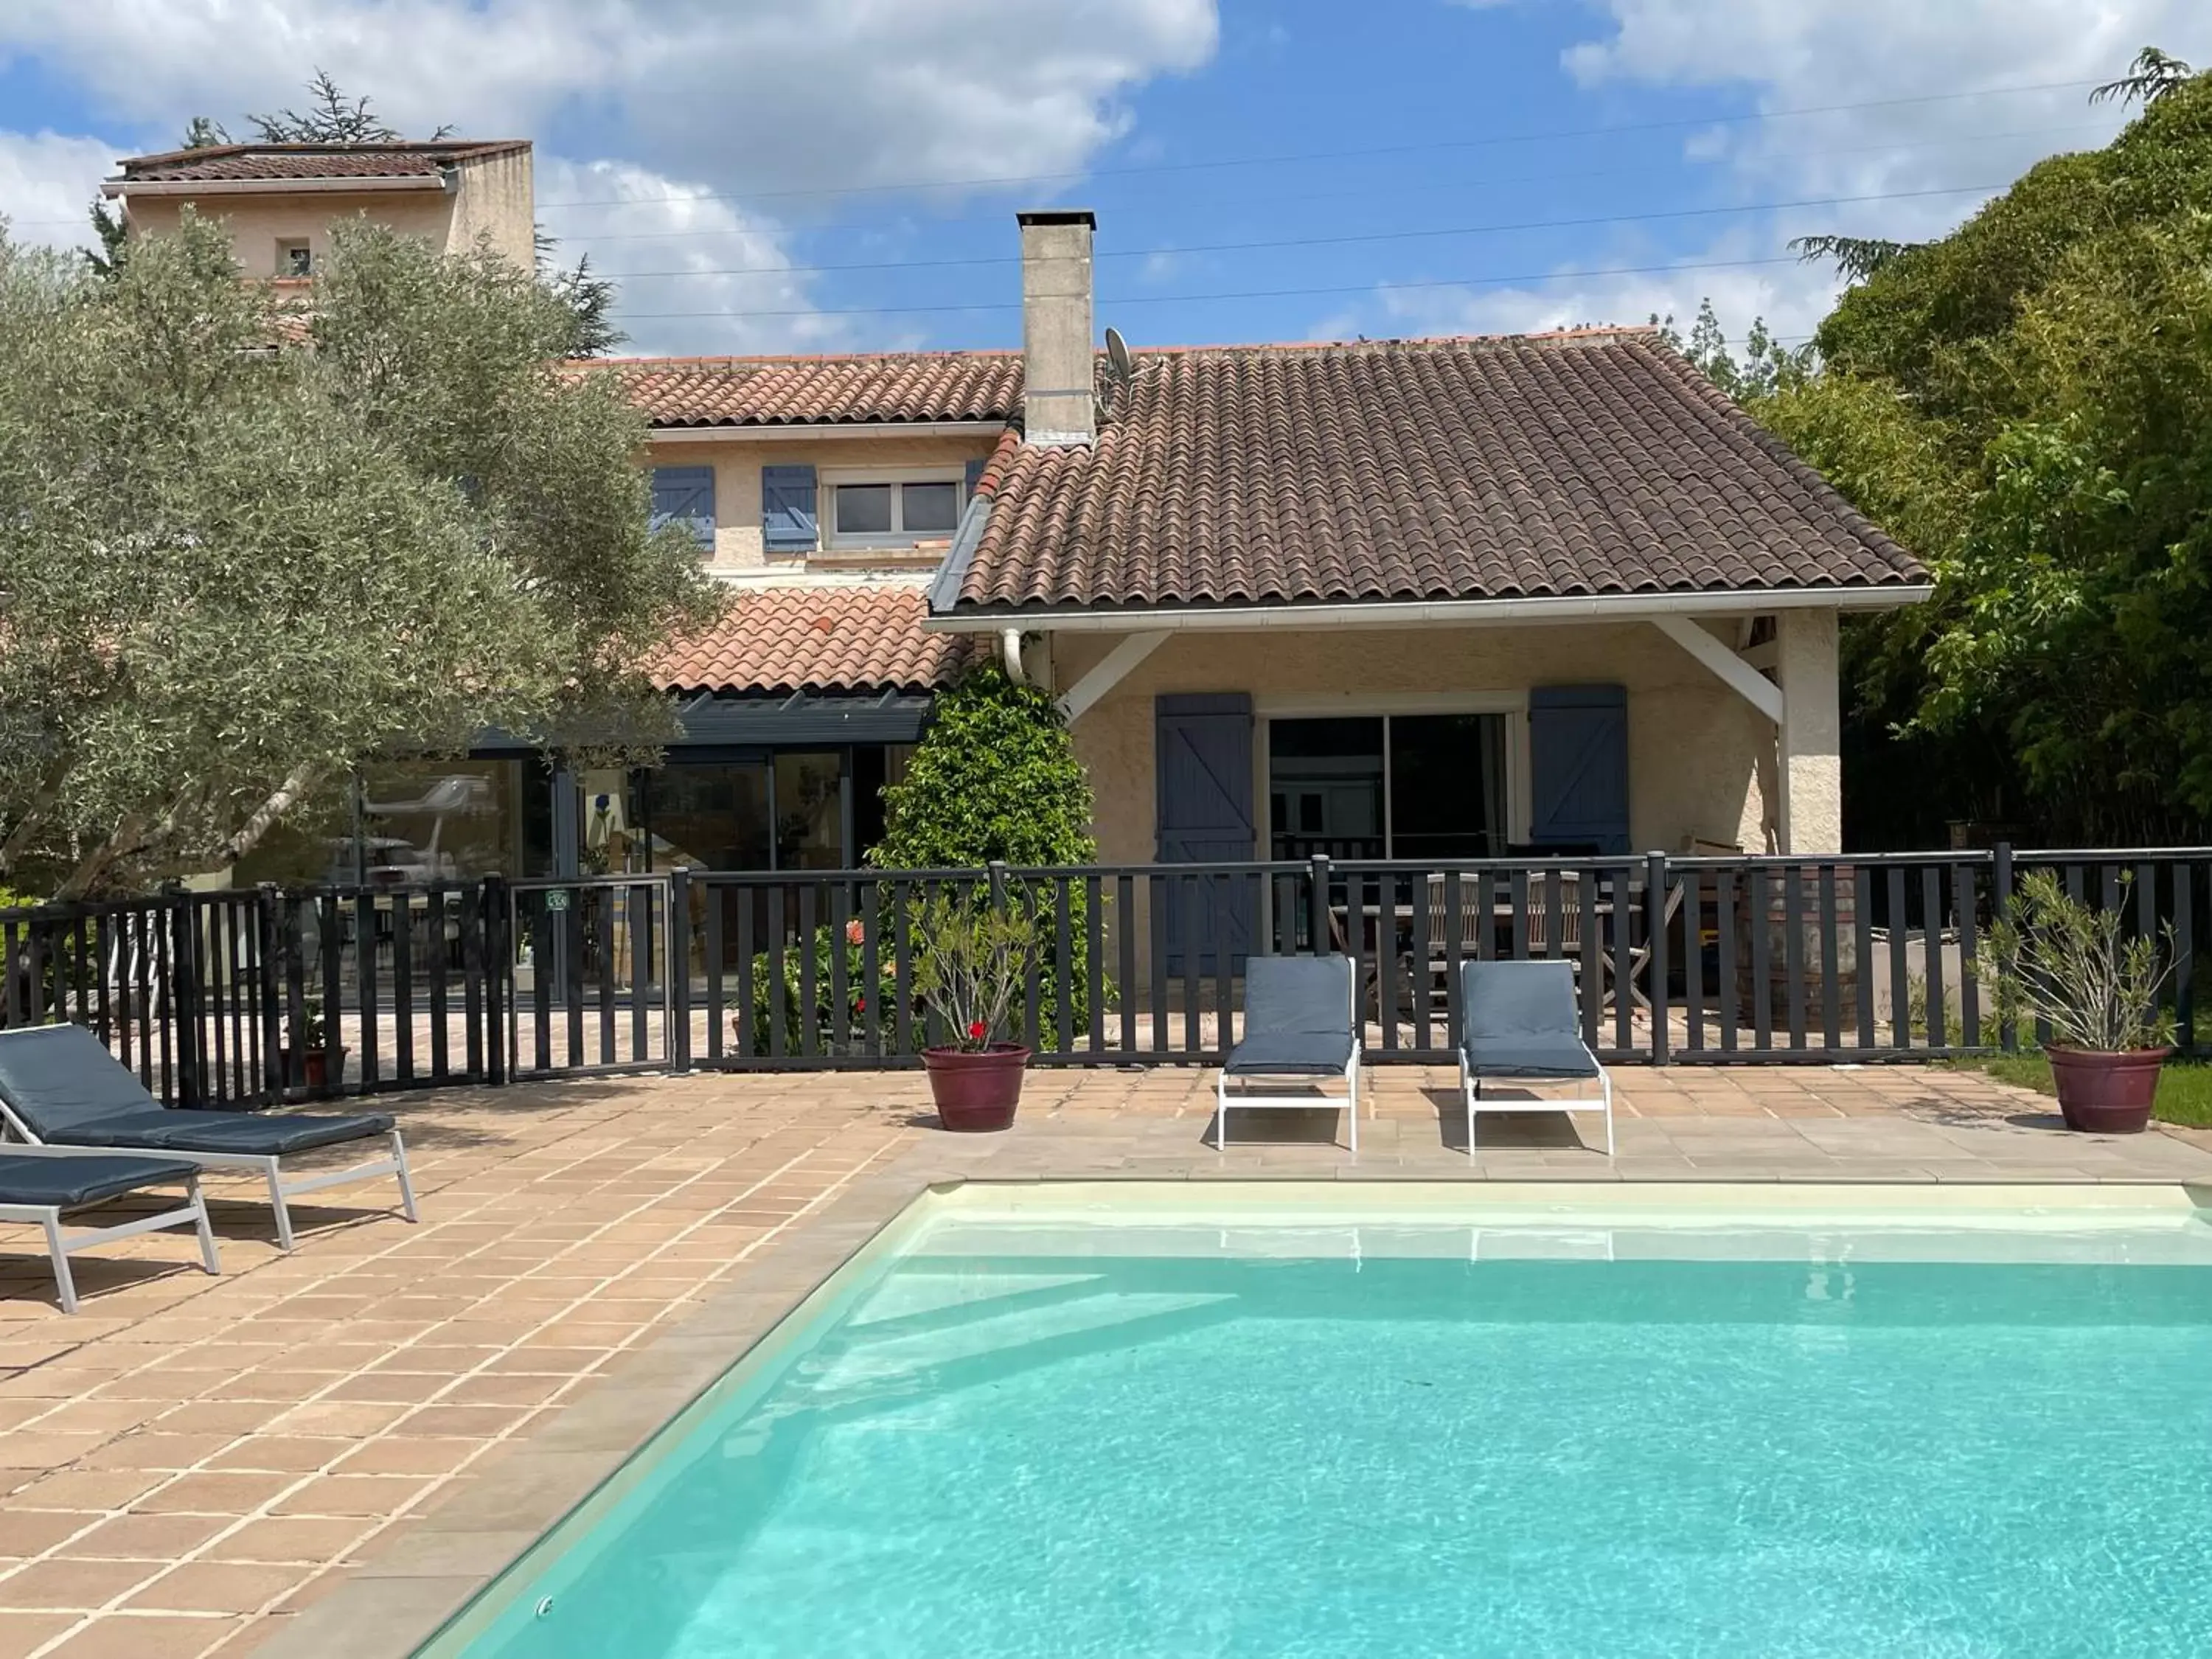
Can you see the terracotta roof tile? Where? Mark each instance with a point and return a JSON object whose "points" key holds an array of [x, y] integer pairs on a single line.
{"points": [[1595, 462], [891, 386], [217, 161], [815, 639]]}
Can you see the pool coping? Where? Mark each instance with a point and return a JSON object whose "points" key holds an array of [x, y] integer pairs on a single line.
{"points": [[411, 1586]]}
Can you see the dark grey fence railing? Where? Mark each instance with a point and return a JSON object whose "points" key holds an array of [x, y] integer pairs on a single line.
{"points": [[250, 997]]}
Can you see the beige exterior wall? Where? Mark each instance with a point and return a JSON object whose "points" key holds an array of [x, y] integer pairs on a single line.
{"points": [[1694, 745], [257, 222], [492, 198], [738, 462], [496, 198]]}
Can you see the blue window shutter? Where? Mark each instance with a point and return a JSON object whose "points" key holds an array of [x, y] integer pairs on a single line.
{"points": [[787, 512], [1202, 757], [686, 496], [975, 476], [1578, 766]]}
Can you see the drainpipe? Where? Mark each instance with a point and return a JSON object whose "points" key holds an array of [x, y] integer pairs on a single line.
{"points": [[1010, 646]]}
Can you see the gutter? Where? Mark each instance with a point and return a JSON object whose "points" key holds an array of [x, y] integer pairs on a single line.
{"points": [[1425, 613], [752, 433], [365, 184]]}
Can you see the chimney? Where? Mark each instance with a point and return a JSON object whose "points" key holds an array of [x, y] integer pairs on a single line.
{"points": [[1058, 406]]}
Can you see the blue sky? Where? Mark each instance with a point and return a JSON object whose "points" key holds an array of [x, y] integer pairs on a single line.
{"points": [[831, 174]]}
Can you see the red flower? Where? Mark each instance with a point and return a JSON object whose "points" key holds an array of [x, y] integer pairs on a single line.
{"points": [[859, 1005], [975, 1031]]}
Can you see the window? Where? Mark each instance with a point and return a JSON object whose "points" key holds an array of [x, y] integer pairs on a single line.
{"points": [[294, 260], [873, 509], [1388, 785], [684, 495]]}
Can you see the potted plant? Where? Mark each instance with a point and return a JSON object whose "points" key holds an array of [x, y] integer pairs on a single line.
{"points": [[969, 960], [306, 1053], [2066, 966]]}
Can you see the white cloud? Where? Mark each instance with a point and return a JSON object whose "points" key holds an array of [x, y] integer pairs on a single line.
{"points": [[796, 95], [672, 227], [1813, 55], [47, 183]]}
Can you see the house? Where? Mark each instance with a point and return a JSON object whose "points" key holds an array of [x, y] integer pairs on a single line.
{"points": [[1405, 598], [1413, 599], [280, 200]]}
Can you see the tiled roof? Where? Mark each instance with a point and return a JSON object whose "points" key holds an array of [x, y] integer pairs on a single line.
{"points": [[891, 386], [815, 639], [214, 162], [1594, 462]]}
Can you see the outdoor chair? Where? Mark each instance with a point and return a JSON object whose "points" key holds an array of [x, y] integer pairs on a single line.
{"points": [[42, 1187], [1521, 1023], [1297, 1022], [59, 1086]]}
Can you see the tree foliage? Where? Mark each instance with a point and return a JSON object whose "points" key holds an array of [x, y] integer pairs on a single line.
{"points": [[1767, 366], [248, 547], [994, 779], [331, 118], [2027, 403]]}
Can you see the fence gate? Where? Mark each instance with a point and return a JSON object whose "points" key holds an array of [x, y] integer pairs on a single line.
{"points": [[588, 981]]}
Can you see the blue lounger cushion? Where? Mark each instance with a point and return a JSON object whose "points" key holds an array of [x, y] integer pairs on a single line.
{"points": [[70, 1091], [67, 1183], [1297, 1017], [1521, 1020]]}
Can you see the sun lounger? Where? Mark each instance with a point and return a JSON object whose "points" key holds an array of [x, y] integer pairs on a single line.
{"points": [[42, 1187], [1522, 1024], [60, 1087], [1297, 1022]]}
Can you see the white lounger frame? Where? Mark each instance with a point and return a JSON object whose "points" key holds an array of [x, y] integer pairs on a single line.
{"points": [[60, 1246], [1471, 1088], [1223, 1100], [269, 1165]]}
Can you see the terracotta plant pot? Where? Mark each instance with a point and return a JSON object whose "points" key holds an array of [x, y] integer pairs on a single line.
{"points": [[976, 1091], [2107, 1092], [311, 1069]]}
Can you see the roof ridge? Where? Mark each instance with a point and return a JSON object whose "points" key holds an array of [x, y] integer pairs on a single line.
{"points": [[735, 359], [463, 147]]}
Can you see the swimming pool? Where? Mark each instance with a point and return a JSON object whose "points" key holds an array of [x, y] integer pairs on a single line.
{"points": [[1073, 1422]]}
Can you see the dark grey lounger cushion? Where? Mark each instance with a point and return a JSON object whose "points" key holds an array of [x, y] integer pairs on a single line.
{"points": [[1521, 1020], [1298, 1016], [67, 1182], [62, 1081]]}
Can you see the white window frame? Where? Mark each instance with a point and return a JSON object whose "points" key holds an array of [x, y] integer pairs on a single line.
{"points": [[828, 478], [1351, 705]]}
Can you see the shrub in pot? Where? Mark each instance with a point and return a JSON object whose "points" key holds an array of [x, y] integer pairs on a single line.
{"points": [[2059, 963], [970, 954], [307, 1053]]}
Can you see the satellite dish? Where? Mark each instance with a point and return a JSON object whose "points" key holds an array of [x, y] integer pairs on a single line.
{"points": [[1117, 355]]}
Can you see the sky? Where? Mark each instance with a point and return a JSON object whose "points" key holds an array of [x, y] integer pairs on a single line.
{"points": [[813, 175]]}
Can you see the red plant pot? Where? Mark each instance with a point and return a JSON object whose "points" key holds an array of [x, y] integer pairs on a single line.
{"points": [[2107, 1092], [976, 1090]]}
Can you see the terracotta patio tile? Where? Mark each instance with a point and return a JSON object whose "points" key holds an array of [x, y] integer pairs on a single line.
{"points": [[215, 1587], [281, 1453], [400, 1454], [352, 1494], [214, 1493], [118, 1635], [23, 1634], [146, 1537], [355, 1418], [62, 1584], [25, 1531], [307, 1540]]}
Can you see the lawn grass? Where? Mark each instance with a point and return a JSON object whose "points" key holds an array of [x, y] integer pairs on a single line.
{"points": [[2184, 1087]]}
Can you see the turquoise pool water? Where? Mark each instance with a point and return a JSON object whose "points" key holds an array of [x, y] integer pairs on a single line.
{"points": [[1007, 1445]]}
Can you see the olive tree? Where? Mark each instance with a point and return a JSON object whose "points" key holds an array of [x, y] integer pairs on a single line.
{"points": [[248, 544]]}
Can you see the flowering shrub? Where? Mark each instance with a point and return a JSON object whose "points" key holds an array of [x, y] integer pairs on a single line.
{"points": [[969, 957], [754, 1030]]}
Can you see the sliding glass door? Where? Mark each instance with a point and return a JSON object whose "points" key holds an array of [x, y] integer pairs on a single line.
{"points": [[1388, 785]]}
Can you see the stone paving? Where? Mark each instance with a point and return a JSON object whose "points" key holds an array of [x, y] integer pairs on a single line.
{"points": [[190, 1463]]}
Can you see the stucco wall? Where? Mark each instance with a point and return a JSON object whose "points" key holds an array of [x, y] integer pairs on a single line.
{"points": [[1693, 743], [257, 223], [495, 198], [738, 462]]}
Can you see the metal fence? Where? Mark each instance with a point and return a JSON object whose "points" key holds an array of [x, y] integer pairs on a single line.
{"points": [[250, 997]]}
